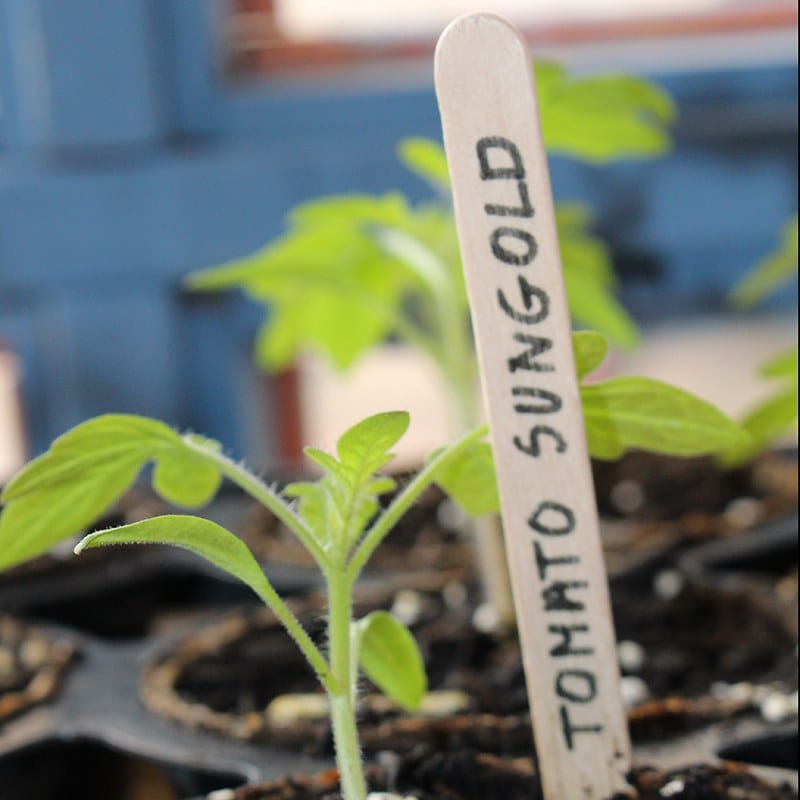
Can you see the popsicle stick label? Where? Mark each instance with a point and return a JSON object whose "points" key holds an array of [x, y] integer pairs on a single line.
{"points": [[507, 232]]}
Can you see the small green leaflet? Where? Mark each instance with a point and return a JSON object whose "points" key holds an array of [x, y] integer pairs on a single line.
{"points": [[770, 273], [591, 349], [87, 470], [390, 658], [627, 412], [201, 536], [470, 480], [602, 118], [782, 366], [338, 507], [366, 445], [773, 417]]}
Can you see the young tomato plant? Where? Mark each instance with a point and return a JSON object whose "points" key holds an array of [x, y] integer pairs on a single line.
{"points": [[336, 518], [777, 414], [392, 268]]}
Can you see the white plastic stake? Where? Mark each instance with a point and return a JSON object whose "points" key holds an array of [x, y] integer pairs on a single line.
{"points": [[509, 245]]}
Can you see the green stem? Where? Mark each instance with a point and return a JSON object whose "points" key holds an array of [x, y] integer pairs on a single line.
{"points": [[259, 490], [384, 524], [343, 700], [293, 627]]}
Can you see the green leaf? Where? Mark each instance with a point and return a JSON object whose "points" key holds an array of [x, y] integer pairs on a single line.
{"points": [[201, 536], [767, 422], [184, 480], [773, 417], [602, 118], [770, 273], [782, 366], [365, 446], [338, 507], [327, 268], [591, 349], [313, 509], [350, 211], [580, 250], [642, 413], [470, 480], [87, 470], [295, 325], [389, 656], [426, 159], [323, 278]]}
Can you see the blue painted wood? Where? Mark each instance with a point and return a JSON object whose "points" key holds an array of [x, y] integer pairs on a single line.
{"points": [[163, 168], [82, 74], [24, 108]]}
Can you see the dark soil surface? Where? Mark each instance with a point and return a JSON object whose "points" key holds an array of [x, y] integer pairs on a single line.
{"points": [[699, 637], [647, 486], [225, 678], [464, 776]]}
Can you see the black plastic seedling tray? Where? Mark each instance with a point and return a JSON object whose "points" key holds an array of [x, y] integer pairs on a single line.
{"points": [[99, 704]]}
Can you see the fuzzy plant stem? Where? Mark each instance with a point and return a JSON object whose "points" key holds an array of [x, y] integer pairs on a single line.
{"points": [[343, 699], [258, 490]]}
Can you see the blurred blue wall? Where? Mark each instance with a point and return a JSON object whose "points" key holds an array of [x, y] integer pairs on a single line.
{"points": [[125, 162]]}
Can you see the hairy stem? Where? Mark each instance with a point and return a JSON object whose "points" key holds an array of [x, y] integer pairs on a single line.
{"points": [[343, 700], [293, 627], [259, 490]]}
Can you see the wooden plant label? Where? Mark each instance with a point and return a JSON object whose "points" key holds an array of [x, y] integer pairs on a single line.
{"points": [[507, 231]]}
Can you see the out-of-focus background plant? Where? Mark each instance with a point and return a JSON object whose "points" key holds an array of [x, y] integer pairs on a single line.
{"points": [[389, 267], [777, 414]]}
